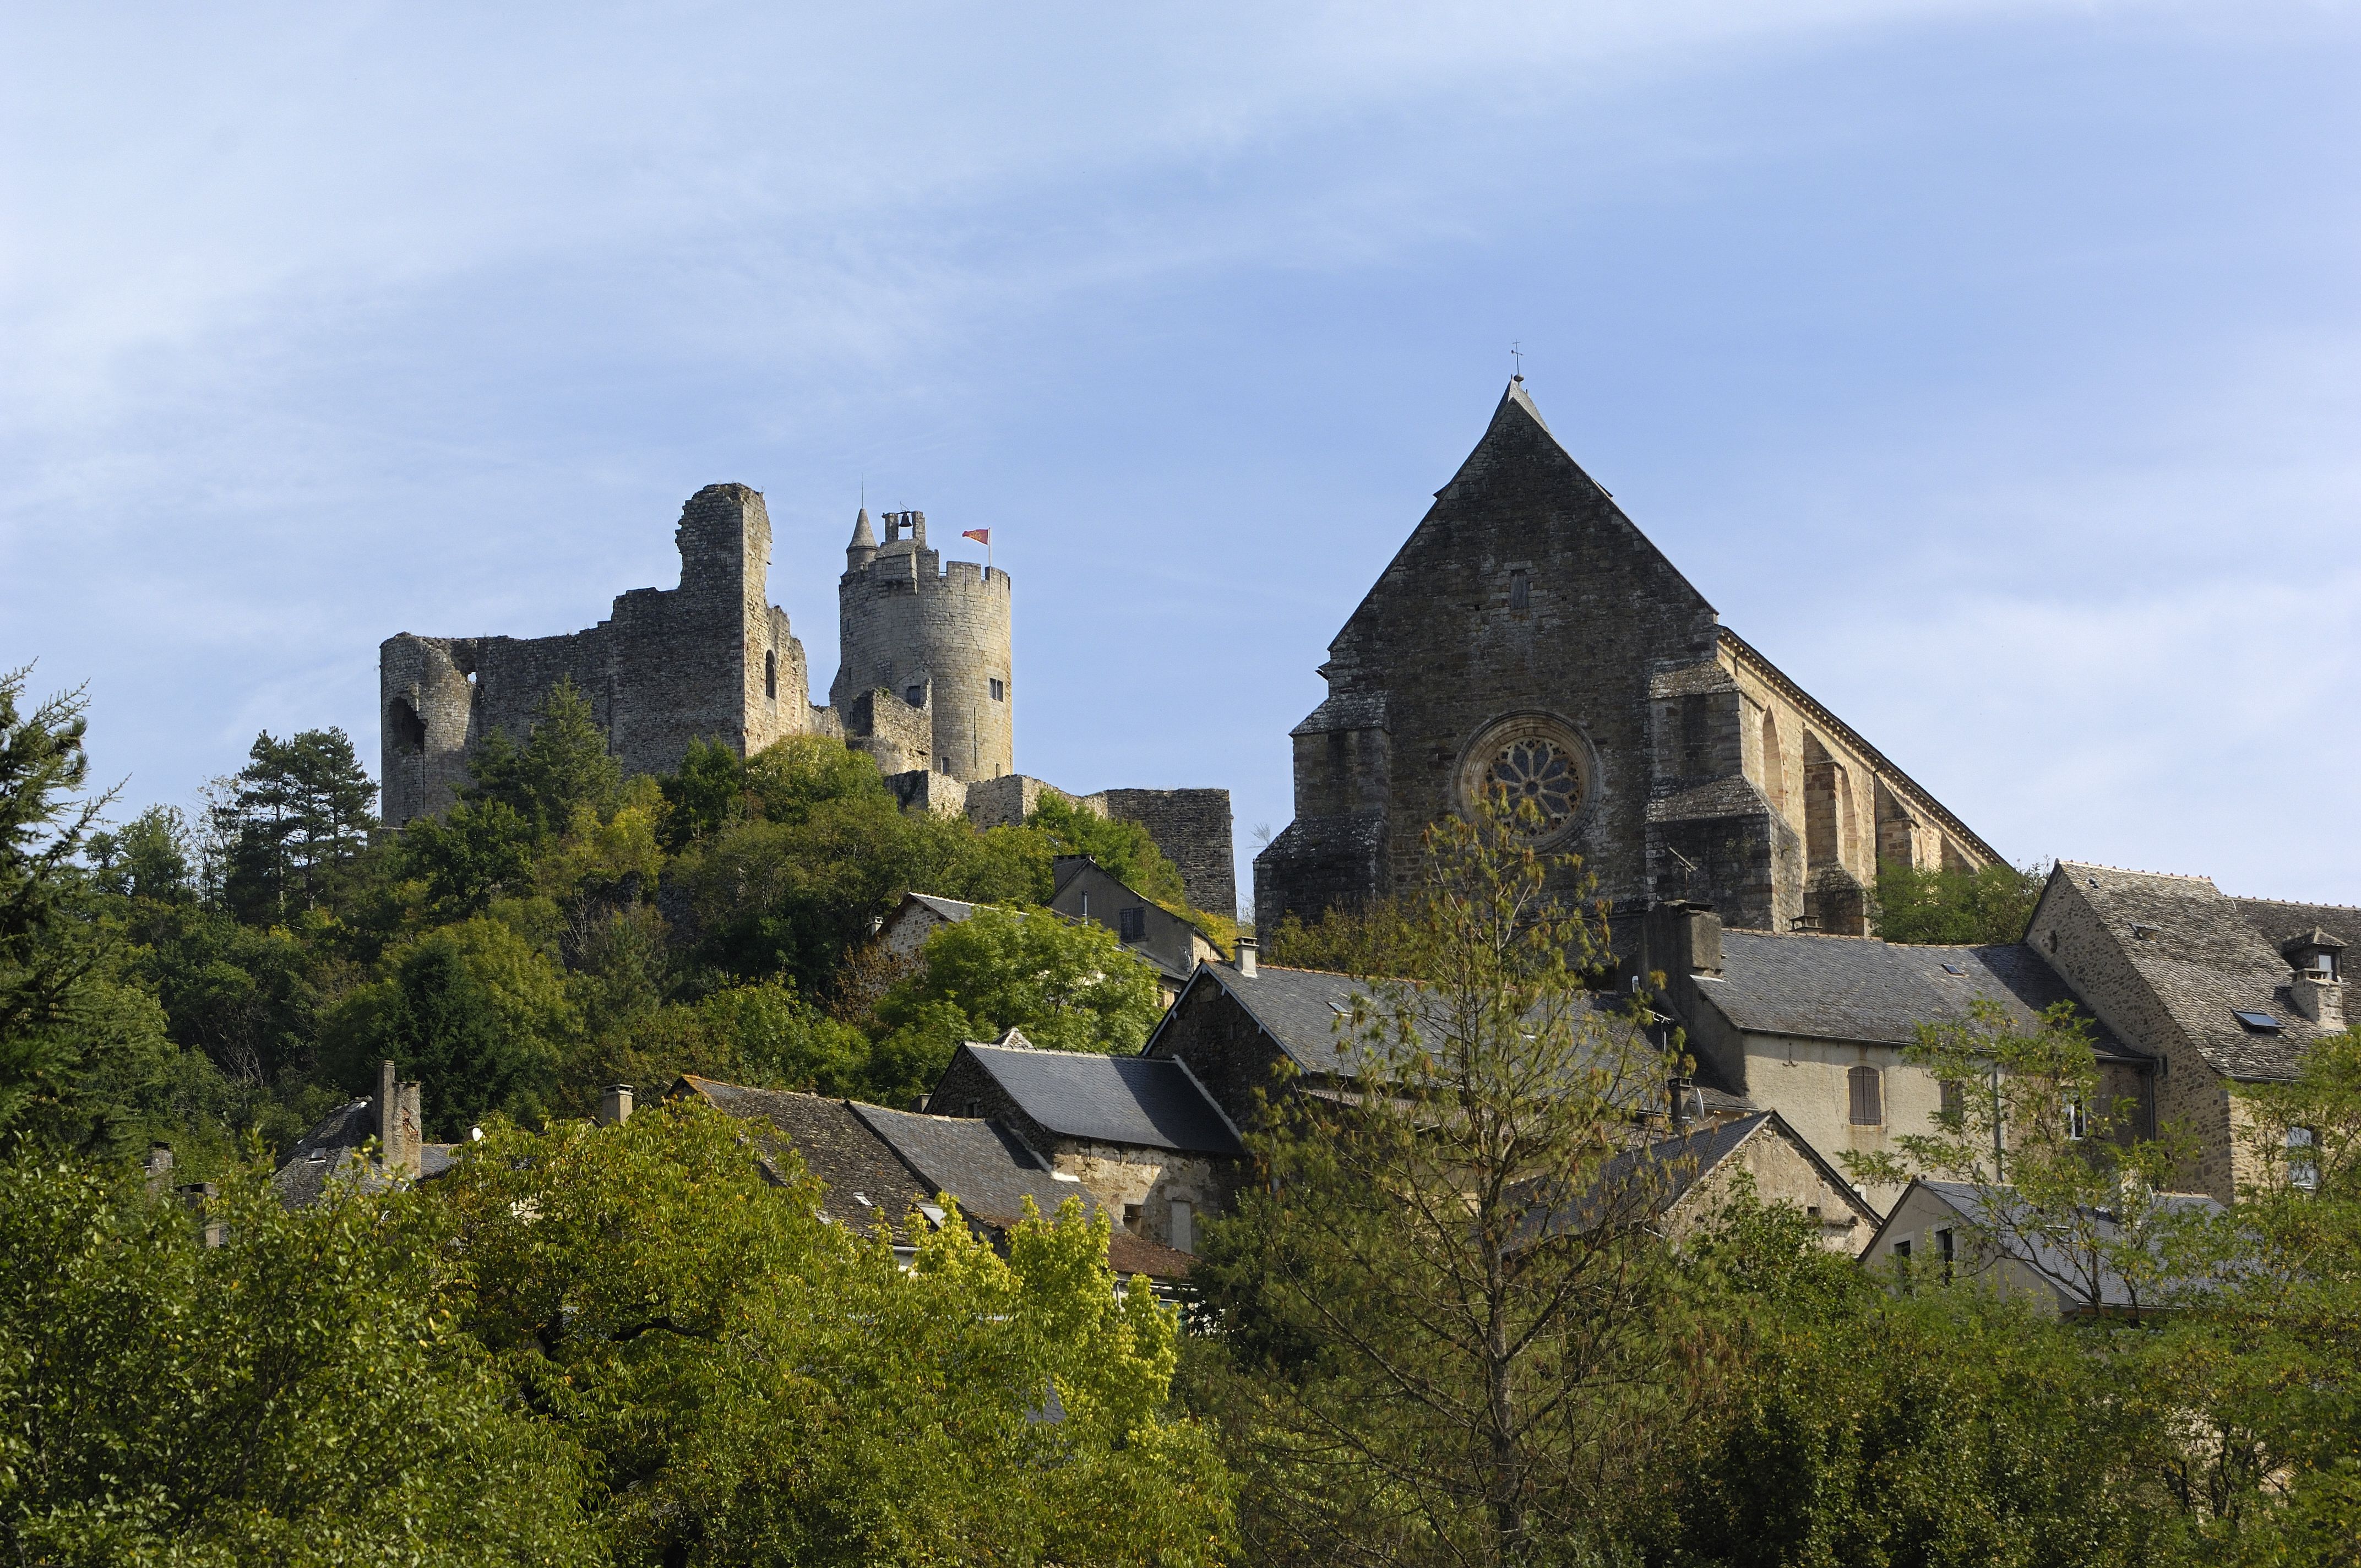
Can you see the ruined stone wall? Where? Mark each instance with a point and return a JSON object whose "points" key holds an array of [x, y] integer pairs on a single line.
{"points": [[1191, 828], [910, 617], [708, 660]]}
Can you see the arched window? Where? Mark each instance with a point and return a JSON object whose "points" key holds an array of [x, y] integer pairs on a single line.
{"points": [[1868, 1103], [1774, 764], [771, 674]]}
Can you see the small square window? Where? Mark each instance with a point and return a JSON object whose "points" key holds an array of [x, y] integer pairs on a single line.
{"points": [[915, 697]]}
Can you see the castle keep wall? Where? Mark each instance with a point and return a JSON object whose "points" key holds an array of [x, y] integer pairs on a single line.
{"points": [[707, 660]]}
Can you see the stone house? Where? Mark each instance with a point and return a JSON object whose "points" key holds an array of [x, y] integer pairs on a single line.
{"points": [[1674, 1185], [878, 1166], [918, 917], [1248, 1030], [1529, 638], [2220, 990], [1140, 1134], [337, 1148], [1814, 1026], [1172, 947], [1942, 1230]]}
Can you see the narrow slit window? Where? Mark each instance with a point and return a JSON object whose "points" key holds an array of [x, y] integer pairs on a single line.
{"points": [[1521, 589], [771, 674]]}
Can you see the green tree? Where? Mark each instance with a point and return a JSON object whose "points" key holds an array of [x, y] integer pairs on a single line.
{"points": [[151, 858], [1122, 849], [296, 1395], [473, 1012], [1955, 908], [2054, 1163], [564, 763], [759, 1387], [1423, 1371], [1069, 985], [298, 812], [1839, 1422]]}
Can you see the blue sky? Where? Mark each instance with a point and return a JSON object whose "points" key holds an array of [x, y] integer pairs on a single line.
{"points": [[1993, 367]]}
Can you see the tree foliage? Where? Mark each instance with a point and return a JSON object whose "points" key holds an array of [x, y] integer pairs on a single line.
{"points": [[1442, 1324], [755, 1386], [296, 815], [296, 1395], [1954, 908]]}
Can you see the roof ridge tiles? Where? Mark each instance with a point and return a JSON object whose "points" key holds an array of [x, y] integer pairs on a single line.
{"points": [[2135, 871]]}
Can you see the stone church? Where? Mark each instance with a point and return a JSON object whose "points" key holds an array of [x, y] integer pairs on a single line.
{"points": [[1529, 638]]}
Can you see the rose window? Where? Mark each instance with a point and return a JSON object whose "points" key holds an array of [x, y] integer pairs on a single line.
{"points": [[1533, 769], [1535, 758]]}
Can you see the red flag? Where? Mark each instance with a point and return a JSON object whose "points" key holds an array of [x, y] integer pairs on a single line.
{"points": [[980, 535]]}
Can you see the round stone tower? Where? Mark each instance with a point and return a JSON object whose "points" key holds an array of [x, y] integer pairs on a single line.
{"points": [[935, 636]]}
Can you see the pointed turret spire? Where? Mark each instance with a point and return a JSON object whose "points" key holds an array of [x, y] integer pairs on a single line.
{"points": [[863, 548]]}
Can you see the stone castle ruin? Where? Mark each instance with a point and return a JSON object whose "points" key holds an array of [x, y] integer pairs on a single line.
{"points": [[924, 684]]}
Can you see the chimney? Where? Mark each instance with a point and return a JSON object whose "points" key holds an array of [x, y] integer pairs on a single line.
{"points": [[388, 1114], [1676, 1090], [159, 1167], [615, 1106], [413, 1131], [196, 1195], [2319, 999], [1681, 939], [1248, 950]]}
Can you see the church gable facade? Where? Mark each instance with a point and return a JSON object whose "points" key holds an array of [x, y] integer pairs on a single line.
{"points": [[1529, 638]]}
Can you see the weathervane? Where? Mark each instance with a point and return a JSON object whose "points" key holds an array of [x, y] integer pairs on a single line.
{"points": [[1517, 353]]}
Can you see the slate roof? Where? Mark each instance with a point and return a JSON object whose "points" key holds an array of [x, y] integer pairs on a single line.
{"points": [[1863, 989], [1650, 1181], [2206, 957], [835, 1145], [331, 1149], [1302, 1010], [1345, 710], [2024, 1243], [980, 1163], [949, 908], [2283, 923], [1112, 1099]]}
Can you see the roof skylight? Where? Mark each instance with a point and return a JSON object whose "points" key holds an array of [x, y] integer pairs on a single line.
{"points": [[2261, 1023]]}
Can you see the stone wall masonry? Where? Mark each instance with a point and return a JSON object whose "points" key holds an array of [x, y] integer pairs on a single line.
{"points": [[708, 660], [1192, 827], [2072, 935], [905, 612]]}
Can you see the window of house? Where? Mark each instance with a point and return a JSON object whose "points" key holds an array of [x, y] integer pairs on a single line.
{"points": [[1868, 1102], [771, 674], [1131, 925], [2302, 1159], [915, 697], [999, 692], [1131, 1218], [1521, 589], [1948, 1250], [1955, 1098], [1181, 1232], [2078, 1117], [1902, 1248]]}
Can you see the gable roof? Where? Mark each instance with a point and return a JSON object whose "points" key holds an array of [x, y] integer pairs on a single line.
{"points": [[331, 1151], [949, 908], [1141, 1101], [861, 1179], [983, 1164], [1650, 1181], [2027, 1245], [1865, 989], [2204, 958]]}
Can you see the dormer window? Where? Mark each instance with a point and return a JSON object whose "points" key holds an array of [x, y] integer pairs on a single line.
{"points": [[2317, 964], [2314, 955]]}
